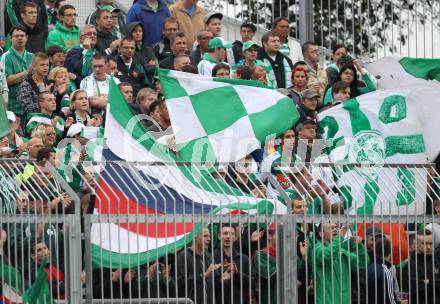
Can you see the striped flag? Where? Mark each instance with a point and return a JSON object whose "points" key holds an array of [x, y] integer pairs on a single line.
{"points": [[230, 118], [5, 128], [153, 189]]}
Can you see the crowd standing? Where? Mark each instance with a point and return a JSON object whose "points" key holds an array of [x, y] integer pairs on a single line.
{"points": [[54, 81]]}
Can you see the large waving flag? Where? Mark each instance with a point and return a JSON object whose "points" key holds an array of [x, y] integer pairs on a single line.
{"points": [[153, 189], [378, 128], [422, 77], [4, 123], [229, 118]]}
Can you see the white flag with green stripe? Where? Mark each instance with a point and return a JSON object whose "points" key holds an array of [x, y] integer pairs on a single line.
{"points": [[378, 128], [223, 119]]}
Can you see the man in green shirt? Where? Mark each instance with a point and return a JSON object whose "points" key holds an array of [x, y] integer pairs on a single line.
{"points": [[17, 62], [66, 33]]}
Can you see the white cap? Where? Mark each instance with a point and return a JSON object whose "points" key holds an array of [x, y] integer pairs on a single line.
{"points": [[11, 116], [75, 129]]}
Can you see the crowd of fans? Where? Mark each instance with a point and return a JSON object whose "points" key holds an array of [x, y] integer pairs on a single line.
{"points": [[54, 80]]}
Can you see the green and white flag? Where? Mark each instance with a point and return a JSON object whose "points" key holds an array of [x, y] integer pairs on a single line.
{"points": [[39, 118], [378, 128], [5, 128], [223, 119], [422, 77]]}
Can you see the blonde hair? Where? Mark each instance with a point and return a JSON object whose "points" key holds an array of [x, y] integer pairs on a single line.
{"points": [[39, 131], [143, 93], [73, 96], [55, 71]]}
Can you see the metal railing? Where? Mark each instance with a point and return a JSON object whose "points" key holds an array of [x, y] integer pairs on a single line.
{"points": [[148, 240]]}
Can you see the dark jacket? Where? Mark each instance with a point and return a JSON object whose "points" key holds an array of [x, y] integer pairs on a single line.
{"points": [[423, 279], [277, 66], [152, 21], [103, 42], [162, 49], [136, 75], [91, 19], [13, 16], [143, 53], [237, 49], [167, 63], [239, 288], [36, 40], [28, 93], [380, 283], [196, 55], [76, 64]]}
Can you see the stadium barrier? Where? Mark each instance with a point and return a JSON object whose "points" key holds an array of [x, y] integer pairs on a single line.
{"points": [[122, 236]]}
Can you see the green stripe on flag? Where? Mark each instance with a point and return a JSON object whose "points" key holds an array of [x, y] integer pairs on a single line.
{"points": [[359, 121], [5, 128], [171, 87], [410, 144], [39, 292], [425, 68]]}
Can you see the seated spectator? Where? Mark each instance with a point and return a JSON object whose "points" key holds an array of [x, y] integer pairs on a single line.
{"points": [[299, 84], [243, 72], [221, 70], [145, 98], [203, 39], [12, 16], [279, 67], [46, 133], [127, 91], [143, 53], [334, 258], [307, 134], [236, 284], [423, 281], [178, 46], [195, 262], [120, 19], [62, 88], [97, 84], [79, 58], [55, 276], [79, 110], [36, 35], [15, 141], [348, 74], [341, 92], [162, 126], [216, 54], [33, 146], [332, 70], [190, 15], [180, 61], [34, 84], [111, 67], [152, 15], [17, 62], [289, 47], [213, 23], [249, 55], [129, 68], [162, 49], [247, 33], [47, 115], [259, 74], [106, 42], [66, 33], [307, 105], [317, 74]]}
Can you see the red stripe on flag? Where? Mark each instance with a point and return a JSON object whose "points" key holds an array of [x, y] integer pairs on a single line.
{"points": [[111, 201]]}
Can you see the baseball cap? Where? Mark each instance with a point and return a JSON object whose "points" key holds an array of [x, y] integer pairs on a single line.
{"points": [[248, 44], [110, 8], [75, 129], [11, 116], [249, 24], [217, 43], [309, 94], [209, 16]]}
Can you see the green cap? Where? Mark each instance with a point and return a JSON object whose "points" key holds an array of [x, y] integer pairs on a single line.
{"points": [[217, 43], [110, 9], [248, 44]]}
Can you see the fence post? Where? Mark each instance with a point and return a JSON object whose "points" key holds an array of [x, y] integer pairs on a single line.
{"points": [[306, 32]]}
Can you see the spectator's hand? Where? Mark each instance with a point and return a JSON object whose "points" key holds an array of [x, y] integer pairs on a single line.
{"points": [[226, 275], [55, 121], [40, 230], [83, 277], [257, 235], [310, 287], [87, 43], [68, 123], [116, 275], [48, 88], [356, 239], [4, 143], [404, 302], [62, 88], [166, 270], [316, 86], [358, 66], [129, 275], [212, 268], [115, 44], [66, 199], [260, 191], [3, 237], [72, 76], [152, 271], [23, 147], [303, 249]]}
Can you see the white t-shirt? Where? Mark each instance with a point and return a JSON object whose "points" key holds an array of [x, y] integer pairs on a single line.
{"points": [[94, 87]]}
